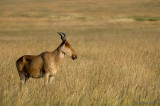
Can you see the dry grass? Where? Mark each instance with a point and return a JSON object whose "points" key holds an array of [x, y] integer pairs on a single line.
{"points": [[117, 43]]}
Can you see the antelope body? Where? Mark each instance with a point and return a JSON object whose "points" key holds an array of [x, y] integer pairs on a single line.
{"points": [[46, 64]]}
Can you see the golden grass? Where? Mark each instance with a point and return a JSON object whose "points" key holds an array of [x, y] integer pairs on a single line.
{"points": [[118, 60]]}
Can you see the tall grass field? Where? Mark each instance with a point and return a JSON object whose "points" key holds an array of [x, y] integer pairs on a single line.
{"points": [[117, 43]]}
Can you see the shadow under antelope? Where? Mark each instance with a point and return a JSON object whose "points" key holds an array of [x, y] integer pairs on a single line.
{"points": [[44, 65]]}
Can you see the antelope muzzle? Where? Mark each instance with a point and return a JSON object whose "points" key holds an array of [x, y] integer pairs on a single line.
{"points": [[74, 57]]}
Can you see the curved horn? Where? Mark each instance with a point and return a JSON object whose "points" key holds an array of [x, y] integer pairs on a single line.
{"points": [[64, 34], [62, 37]]}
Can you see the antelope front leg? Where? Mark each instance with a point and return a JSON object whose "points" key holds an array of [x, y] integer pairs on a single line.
{"points": [[46, 79], [51, 78]]}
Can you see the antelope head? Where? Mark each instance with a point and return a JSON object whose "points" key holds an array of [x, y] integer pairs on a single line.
{"points": [[66, 47]]}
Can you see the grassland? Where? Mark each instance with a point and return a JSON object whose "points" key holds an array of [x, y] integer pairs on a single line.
{"points": [[117, 43]]}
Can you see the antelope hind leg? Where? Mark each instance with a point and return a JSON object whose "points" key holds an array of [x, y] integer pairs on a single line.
{"points": [[22, 80]]}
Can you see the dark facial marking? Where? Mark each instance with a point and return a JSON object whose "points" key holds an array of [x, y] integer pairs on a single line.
{"points": [[67, 44]]}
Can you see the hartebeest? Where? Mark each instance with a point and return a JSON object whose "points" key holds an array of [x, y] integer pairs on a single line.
{"points": [[46, 64]]}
